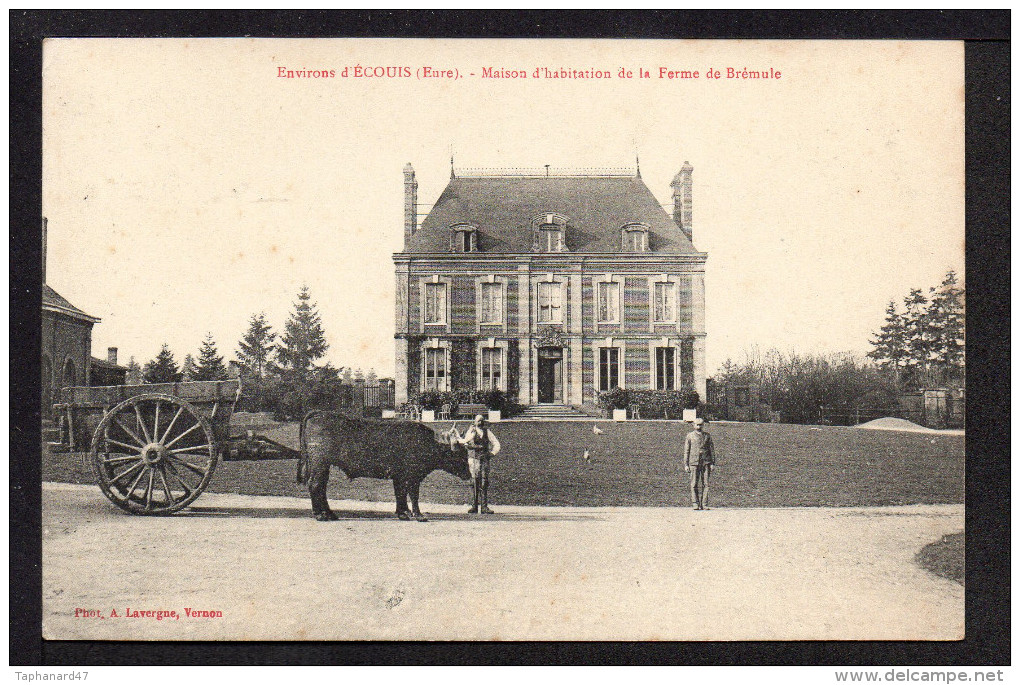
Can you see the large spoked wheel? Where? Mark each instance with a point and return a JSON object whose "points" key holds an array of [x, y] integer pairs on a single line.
{"points": [[153, 454]]}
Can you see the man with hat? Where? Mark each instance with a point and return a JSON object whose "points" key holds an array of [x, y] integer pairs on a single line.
{"points": [[699, 458], [482, 445]]}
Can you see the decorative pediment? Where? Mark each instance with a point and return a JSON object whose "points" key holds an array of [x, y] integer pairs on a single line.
{"points": [[550, 336]]}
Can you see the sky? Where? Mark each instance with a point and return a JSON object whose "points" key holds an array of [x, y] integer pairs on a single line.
{"points": [[188, 186]]}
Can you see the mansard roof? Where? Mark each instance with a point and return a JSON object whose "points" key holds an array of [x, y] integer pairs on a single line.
{"points": [[504, 208]]}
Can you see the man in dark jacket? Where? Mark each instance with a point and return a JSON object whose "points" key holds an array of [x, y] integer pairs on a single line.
{"points": [[699, 458], [482, 446]]}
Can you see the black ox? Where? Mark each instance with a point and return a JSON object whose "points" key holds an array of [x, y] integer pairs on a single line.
{"points": [[402, 451]]}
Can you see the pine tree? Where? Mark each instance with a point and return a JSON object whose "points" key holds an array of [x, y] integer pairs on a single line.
{"points": [[371, 378], [890, 344], [162, 369], [918, 333], [946, 319], [256, 347], [188, 369], [134, 373], [210, 364], [303, 340]]}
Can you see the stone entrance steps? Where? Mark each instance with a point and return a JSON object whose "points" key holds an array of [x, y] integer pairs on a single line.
{"points": [[551, 412]]}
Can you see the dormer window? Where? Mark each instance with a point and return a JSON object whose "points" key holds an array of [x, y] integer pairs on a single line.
{"points": [[548, 233], [551, 239], [635, 238], [463, 238]]}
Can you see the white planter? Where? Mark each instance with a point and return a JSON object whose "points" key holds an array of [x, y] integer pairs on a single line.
{"points": [[619, 415], [389, 414], [494, 416], [690, 415], [428, 415]]}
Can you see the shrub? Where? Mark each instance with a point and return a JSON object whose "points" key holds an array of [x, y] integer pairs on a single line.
{"points": [[495, 399], [690, 398], [617, 398], [655, 404], [432, 400]]}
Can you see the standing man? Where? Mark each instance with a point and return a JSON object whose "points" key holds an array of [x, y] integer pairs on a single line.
{"points": [[699, 458], [482, 445]]}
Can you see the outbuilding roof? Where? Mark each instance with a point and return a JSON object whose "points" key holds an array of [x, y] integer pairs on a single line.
{"points": [[503, 208]]}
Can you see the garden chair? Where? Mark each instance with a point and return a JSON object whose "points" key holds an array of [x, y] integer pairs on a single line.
{"points": [[445, 412], [635, 411]]}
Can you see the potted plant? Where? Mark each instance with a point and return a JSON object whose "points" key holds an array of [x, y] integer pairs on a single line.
{"points": [[690, 399], [431, 401], [494, 401]]}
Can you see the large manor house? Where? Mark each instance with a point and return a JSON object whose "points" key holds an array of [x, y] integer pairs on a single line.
{"points": [[552, 288]]}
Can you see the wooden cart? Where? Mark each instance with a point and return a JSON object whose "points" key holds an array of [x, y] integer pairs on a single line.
{"points": [[154, 448]]}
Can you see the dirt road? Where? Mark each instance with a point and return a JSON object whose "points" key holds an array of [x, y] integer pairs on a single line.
{"points": [[528, 573]]}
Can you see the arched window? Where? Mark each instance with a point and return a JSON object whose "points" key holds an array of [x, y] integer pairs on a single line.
{"points": [[70, 377], [463, 238], [635, 238], [47, 385]]}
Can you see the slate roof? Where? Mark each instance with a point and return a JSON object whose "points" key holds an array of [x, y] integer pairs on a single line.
{"points": [[54, 301], [503, 207], [106, 364]]}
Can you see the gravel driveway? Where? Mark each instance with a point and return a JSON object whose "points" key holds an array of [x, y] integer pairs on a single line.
{"points": [[528, 573]]}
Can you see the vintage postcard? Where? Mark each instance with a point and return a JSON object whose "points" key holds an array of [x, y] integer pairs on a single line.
{"points": [[407, 339]]}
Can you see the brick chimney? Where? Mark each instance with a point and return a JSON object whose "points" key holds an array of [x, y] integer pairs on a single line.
{"points": [[410, 203], [682, 203], [111, 355]]}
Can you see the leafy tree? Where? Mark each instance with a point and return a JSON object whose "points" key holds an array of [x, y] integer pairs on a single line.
{"points": [[803, 388], [890, 344], [134, 373], [188, 369], [255, 349], [303, 340], [162, 369], [210, 364], [371, 378]]}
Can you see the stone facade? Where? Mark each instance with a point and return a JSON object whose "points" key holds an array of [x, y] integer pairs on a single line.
{"points": [[551, 288]]}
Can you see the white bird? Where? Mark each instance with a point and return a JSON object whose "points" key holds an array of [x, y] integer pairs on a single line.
{"points": [[596, 430]]}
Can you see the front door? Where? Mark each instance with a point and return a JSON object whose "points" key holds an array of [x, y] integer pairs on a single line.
{"points": [[550, 375]]}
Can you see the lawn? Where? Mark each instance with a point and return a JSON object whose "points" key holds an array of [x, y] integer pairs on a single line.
{"points": [[637, 464]]}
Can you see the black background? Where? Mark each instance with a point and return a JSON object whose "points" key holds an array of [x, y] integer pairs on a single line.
{"points": [[987, 639]]}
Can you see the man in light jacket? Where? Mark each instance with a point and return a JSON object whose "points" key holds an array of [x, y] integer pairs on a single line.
{"points": [[699, 458], [482, 445]]}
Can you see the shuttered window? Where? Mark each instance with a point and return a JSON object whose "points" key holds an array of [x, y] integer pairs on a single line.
{"points": [[435, 303], [492, 303], [665, 368], [435, 368], [492, 368], [609, 368], [665, 302], [550, 309], [609, 302]]}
